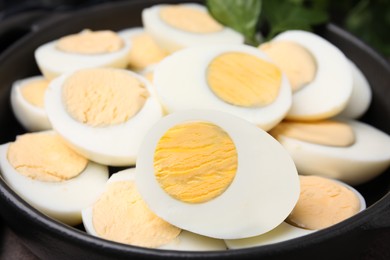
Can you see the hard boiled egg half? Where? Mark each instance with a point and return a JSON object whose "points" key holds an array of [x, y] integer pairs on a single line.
{"points": [[216, 175], [174, 27], [50, 176], [237, 79], [27, 101], [322, 203], [348, 150], [103, 113], [120, 215], [319, 73], [86, 49]]}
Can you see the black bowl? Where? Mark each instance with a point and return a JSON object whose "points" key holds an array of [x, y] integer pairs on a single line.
{"points": [[360, 236]]}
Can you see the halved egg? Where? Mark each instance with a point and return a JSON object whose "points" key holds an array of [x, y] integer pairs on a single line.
{"points": [[50, 176], [348, 150], [103, 113], [120, 215], [87, 49], [206, 171], [177, 26], [238, 79], [319, 73], [360, 99], [322, 203], [27, 101], [144, 51]]}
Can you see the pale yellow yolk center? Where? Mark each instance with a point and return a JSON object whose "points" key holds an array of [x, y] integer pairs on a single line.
{"points": [[91, 42], [189, 19], [45, 157], [34, 92], [195, 162], [244, 80], [121, 215], [323, 203], [144, 51], [102, 97], [294, 60], [327, 132]]}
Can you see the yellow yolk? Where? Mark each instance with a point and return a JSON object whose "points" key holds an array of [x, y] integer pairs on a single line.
{"points": [[189, 19], [244, 80], [144, 51], [34, 92], [45, 157], [89, 42], [322, 203], [328, 132], [195, 162], [294, 60], [102, 97], [121, 215]]}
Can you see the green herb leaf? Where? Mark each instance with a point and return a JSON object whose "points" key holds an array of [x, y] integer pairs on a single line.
{"points": [[283, 15], [240, 15]]}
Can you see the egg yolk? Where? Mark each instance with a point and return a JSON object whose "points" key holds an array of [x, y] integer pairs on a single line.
{"points": [[189, 19], [144, 51], [322, 203], [91, 42], [294, 60], [34, 92], [121, 215], [244, 80], [103, 97], [195, 162], [327, 132], [44, 157]]}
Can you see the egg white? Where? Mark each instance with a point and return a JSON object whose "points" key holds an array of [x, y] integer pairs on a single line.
{"points": [[284, 231], [188, 87], [329, 92], [368, 157], [62, 201], [361, 97], [31, 117], [115, 145], [53, 62], [263, 192], [173, 39], [185, 241]]}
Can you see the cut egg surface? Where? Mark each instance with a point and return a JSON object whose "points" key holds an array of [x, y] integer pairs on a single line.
{"points": [[174, 27], [50, 176], [348, 150], [320, 72], [27, 101], [103, 113], [322, 203], [86, 49], [120, 215], [206, 171], [237, 79]]}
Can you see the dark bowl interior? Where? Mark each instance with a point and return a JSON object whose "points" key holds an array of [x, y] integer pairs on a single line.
{"points": [[49, 239]]}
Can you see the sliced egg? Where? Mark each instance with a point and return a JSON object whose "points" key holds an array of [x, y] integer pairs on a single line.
{"points": [[238, 79], [348, 150], [51, 177], [361, 97], [103, 113], [320, 72], [27, 101], [206, 171], [322, 203], [174, 27], [86, 49], [119, 214], [144, 51]]}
